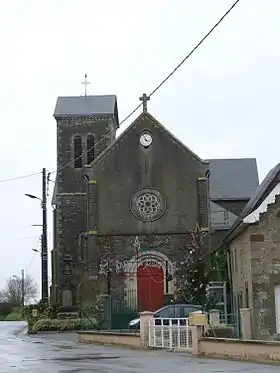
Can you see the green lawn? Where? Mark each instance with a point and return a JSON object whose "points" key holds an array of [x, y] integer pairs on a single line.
{"points": [[15, 315]]}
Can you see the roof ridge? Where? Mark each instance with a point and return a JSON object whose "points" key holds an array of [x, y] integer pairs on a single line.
{"points": [[231, 159], [88, 96], [252, 204]]}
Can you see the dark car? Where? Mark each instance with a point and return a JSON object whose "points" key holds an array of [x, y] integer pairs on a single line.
{"points": [[168, 312]]}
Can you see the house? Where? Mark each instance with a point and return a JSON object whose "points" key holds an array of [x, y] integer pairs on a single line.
{"points": [[253, 243]]}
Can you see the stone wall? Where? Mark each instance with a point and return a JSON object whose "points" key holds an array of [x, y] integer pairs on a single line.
{"points": [[110, 338], [255, 256], [235, 349], [71, 199]]}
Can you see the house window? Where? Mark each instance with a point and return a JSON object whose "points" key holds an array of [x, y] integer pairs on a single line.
{"points": [[77, 152], [83, 247], [90, 149]]}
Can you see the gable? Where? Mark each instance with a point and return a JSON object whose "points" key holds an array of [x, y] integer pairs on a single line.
{"points": [[126, 170], [264, 195], [157, 125], [254, 216]]}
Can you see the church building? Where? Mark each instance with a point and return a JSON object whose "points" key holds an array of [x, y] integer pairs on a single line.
{"points": [[128, 209]]}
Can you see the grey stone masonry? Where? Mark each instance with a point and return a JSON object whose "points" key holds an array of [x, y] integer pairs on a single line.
{"points": [[72, 195]]}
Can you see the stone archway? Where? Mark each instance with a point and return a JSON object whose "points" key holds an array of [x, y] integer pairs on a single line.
{"points": [[145, 279]]}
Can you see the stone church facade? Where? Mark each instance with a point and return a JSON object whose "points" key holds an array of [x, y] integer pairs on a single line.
{"points": [[127, 210]]}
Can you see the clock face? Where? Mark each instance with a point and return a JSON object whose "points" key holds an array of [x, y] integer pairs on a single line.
{"points": [[146, 139]]}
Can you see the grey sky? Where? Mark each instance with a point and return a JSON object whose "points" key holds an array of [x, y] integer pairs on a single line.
{"points": [[221, 103]]}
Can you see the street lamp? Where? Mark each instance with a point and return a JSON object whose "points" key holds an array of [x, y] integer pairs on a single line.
{"points": [[44, 251], [32, 196], [37, 251]]}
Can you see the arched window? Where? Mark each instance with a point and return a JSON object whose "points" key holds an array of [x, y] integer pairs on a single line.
{"points": [[90, 149], [77, 152]]}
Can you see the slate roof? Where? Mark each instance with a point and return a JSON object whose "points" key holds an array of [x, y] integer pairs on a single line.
{"points": [[86, 105], [268, 184], [233, 179]]}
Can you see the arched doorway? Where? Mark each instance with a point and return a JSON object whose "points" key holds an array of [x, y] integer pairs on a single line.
{"points": [[150, 287]]}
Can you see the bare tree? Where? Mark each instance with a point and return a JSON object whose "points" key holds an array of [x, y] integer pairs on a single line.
{"points": [[2, 296], [18, 290], [192, 273]]}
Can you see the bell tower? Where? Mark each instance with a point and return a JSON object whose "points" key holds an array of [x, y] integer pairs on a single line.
{"points": [[86, 126]]}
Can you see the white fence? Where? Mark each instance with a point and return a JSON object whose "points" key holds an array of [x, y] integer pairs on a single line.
{"points": [[170, 334]]}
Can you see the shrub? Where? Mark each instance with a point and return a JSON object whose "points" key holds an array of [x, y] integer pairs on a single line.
{"points": [[44, 311], [67, 315], [5, 309], [56, 325], [98, 312]]}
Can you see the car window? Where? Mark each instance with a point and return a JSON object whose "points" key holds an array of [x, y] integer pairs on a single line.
{"points": [[178, 311], [188, 309], [167, 312]]}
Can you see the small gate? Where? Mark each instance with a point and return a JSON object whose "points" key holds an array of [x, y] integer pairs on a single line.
{"points": [[173, 334], [123, 309]]}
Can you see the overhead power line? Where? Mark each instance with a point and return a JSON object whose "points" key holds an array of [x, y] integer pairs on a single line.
{"points": [[20, 177], [151, 94]]}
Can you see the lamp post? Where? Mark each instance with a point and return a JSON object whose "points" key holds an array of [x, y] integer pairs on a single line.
{"points": [[44, 241]]}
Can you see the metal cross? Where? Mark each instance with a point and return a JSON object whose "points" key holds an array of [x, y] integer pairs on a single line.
{"points": [[86, 82], [144, 98]]}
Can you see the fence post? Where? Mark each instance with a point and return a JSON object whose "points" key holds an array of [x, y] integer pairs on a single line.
{"points": [[214, 318], [197, 322], [245, 316], [145, 318]]}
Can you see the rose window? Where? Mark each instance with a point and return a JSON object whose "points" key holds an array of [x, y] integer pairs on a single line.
{"points": [[148, 205]]}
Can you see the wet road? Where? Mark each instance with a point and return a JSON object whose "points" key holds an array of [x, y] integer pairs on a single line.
{"points": [[59, 353]]}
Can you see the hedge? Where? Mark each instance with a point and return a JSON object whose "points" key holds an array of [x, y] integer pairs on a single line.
{"points": [[56, 325], [5, 309]]}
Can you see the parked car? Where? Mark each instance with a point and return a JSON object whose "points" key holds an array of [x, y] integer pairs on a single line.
{"points": [[167, 312]]}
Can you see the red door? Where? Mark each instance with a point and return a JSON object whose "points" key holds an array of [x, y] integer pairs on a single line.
{"points": [[150, 287]]}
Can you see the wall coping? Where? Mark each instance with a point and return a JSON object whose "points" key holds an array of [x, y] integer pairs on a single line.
{"points": [[107, 332], [243, 341]]}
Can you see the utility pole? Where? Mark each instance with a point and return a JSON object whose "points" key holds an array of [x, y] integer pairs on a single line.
{"points": [[45, 285], [22, 288]]}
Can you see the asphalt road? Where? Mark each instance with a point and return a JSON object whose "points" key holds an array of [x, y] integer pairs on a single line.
{"points": [[60, 353]]}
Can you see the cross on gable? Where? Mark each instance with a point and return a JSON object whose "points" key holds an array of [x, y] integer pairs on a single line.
{"points": [[144, 98], [86, 82]]}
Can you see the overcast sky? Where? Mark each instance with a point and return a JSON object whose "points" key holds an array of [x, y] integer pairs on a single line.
{"points": [[221, 103]]}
